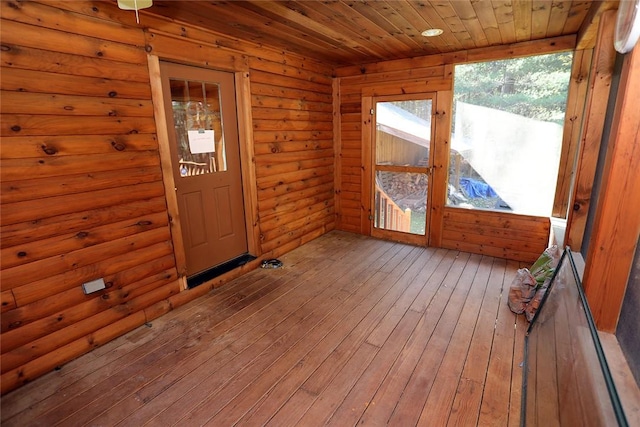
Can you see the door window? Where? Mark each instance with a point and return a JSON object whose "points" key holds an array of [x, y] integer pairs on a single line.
{"points": [[197, 116]]}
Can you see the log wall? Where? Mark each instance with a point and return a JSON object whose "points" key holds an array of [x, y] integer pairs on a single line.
{"points": [[82, 192], [497, 234], [508, 236], [354, 166], [82, 186]]}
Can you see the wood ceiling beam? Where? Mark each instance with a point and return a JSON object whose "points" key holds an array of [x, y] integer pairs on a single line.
{"points": [[588, 31]]}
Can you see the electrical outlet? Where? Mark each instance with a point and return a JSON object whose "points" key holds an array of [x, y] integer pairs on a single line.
{"points": [[93, 286]]}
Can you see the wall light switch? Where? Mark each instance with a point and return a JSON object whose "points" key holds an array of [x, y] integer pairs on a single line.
{"points": [[93, 286]]}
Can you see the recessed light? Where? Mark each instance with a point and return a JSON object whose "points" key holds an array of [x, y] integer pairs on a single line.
{"points": [[432, 32]]}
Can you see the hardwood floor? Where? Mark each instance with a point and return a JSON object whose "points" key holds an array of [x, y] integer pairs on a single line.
{"points": [[351, 331]]}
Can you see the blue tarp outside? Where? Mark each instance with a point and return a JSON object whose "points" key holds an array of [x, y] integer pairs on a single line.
{"points": [[474, 189]]}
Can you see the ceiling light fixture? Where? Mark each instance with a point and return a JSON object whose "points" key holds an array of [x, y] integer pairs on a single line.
{"points": [[135, 5], [432, 32]]}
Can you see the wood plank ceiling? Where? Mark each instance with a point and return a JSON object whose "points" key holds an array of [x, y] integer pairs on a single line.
{"points": [[351, 32]]}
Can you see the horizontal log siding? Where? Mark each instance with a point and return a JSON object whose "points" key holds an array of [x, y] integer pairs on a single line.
{"points": [[496, 234], [81, 184], [502, 235], [81, 188], [293, 146]]}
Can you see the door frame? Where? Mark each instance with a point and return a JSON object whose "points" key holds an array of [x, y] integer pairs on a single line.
{"points": [[438, 161], [247, 166], [391, 234]]}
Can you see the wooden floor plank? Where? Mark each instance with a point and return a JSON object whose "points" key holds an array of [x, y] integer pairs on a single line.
{"points": [[466, 405], [295, 359], [231, 303], [352, 330], [628, 389], [440, 399], [330, 283], [232, 311], [516, 371], [569, 368], [316, 325], [243, 378], [331, 396], [391, 334], [495, 400], [186, 402], [81, 373], [358, 327], [389, 392], [454, 289], [93, 386], [306, 366], [547, 382], [359, 398], [164, 327]]}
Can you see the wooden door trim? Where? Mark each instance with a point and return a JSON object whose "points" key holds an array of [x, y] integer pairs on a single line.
{"points": [[443, 108], [247, 166], [247, 162], [166, 165], [366, 221], [368, 169], [337, 153]]}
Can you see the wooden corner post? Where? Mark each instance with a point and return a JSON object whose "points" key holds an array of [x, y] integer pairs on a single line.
{"points": [[616, 228]]}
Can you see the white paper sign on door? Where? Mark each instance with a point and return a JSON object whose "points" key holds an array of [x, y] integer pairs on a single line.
{"points": [[201, 141]]}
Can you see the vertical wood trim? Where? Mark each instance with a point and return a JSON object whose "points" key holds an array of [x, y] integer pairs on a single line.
{"points": [[443, 110], [337, 153], [167, 168], [617, 219], [592, 129], [572, 124], [366, 191], [247, 162]]}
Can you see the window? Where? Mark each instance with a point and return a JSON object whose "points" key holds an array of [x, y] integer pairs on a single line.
{"points": [[507, 133], [198, 122]]}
